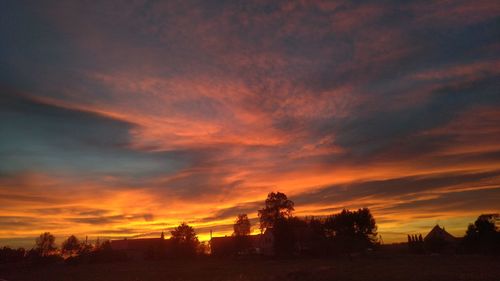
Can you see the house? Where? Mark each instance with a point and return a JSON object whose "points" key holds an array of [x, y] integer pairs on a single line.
{"points": [[438, 240], [265, 243], [252, 244], [440, 233], [141, 248], [305, 242]]}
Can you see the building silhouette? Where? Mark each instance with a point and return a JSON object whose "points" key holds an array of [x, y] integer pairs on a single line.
{"points": [[142, 248]]}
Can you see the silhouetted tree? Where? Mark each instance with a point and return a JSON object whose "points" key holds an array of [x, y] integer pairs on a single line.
{"points": [[290, 236], [483, 236], [277, 206], [241, 231], [318, 239], [97, 243], [242, 225], [86, 248], [8, 255], [203, 248], [71, 246], [411, 244], [104, 253], [184, 240], [103, 245], [416, 244], [45, 244], [351, 231]]}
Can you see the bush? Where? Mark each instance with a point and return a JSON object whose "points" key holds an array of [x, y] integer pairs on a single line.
{"points": [[8, 255], [34, 257]]}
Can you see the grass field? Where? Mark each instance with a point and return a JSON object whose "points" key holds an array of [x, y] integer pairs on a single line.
{"points": [[432, 268]]}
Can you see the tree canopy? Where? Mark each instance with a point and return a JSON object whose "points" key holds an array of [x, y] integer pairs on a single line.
{"points": [[483, 236], [185, 241], [277, 206], [45, 244], [242, 225], [71, 245], [184, 233], [352, 230]]}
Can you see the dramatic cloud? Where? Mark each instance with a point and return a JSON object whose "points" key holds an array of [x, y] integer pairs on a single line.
{"points": [[124, 118]]}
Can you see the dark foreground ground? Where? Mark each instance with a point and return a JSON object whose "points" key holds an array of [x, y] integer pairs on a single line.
{"points": [[432, 268]]}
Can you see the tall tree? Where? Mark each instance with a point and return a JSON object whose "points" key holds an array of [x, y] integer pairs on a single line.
{"points": [[242, 225], [185, 241], [71, 245], [241, 231], [277, 206], [45, 244], [184, 234]]}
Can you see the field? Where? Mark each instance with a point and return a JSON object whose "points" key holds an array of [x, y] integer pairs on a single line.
{"points": [[432, 268]]}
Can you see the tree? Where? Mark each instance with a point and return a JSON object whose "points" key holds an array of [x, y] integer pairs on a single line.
{"points": [[288, 235], [483, 235], [278, 206], [45, 244], [184, 234], [105, 253], [365, 225], [416, 244], [352, 230], [185, 241], [203, 248], [318, 239], [241, 231], [8, 255], [241, 225], [71, 246]]}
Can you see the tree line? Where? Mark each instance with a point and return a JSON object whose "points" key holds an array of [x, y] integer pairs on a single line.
{"points": [[344, 232], [347, 231], [184, 243], [481, 237]]}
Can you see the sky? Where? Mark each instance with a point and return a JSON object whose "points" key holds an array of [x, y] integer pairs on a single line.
{"points": [[126, 118]]}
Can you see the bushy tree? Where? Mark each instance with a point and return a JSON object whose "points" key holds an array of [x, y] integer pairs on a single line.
{"points": [[351, 230], [277, 207], [45, 244], [71, 246], [242, 225], [8, 255], [184, 241], [319, 241], [289, 235], [103, 253], [203, 248], [242, 229], [483, 236]]}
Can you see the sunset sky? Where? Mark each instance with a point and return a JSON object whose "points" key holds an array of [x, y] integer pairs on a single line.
{"points": [[125, 118]]}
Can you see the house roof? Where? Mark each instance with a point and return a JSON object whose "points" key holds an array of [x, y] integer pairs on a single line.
{"points": [[141, 244], [233, 238], [438, 232]]}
